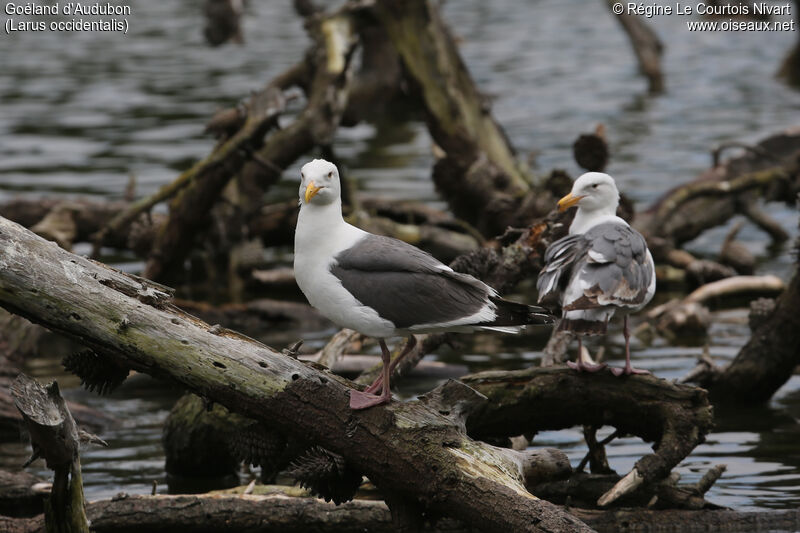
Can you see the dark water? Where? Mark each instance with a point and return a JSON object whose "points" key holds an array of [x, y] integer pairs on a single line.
{"points": [[80, 113]]}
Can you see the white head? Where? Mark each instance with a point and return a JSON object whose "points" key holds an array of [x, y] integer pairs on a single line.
{"points": [[594, 191], [319, 183]]}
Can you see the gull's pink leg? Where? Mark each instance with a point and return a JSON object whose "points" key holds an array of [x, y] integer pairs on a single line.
{"points": [[376, 385], [363, 400], [628, 370], [584, 366]]}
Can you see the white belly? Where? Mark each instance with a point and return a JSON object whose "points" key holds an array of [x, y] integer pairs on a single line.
{"points": [[313, 255], [325, 293]]}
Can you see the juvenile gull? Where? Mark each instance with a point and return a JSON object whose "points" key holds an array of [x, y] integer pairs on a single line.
{"points": [[601, 267], [383, 287]]}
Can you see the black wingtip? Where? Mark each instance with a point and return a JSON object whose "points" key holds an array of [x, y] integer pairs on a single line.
{"points": [[542, 319], [541, 316]]}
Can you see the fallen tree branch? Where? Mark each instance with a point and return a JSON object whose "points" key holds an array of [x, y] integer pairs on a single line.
{"points": [[769, 285], [477, 170], [768, 359], [418, 455], [718, 188], [684, 212], [675, 417]]}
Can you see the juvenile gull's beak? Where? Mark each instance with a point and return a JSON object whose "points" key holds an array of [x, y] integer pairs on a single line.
{"points": [[565, 203], [311, 190]]}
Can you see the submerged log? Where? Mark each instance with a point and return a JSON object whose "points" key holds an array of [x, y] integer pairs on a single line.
{"points": [[410, 451], [196, 437]]}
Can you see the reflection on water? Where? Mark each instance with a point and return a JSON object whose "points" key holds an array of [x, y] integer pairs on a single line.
{"points": [[80, 113]]}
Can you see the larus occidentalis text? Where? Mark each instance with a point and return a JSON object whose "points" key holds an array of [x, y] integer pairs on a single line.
{"points": [[603, 266], [383, 287]]}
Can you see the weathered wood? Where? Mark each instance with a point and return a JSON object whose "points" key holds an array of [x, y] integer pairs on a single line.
{"points": [[675, 417], [790, 68], [429, 230], [223, 21], [477, 170], [768, 359], [770, 168], [189, 209], [21, 493], [405, 448], [647, 47], [290, 513], [19, 341], [87, 217], [196, 440], [669, 521], [460, 118], [256, 316], [54, 437]]}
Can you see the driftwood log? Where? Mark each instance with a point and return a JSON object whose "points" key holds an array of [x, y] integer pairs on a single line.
{"points": [[676, 418], [413, 453], [54, 437], [767, 170], [293, 514], [21, 493], [768, 359]]}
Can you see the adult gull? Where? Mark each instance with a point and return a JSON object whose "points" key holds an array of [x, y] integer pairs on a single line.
{"points": [[601, 267], [383, 287]]}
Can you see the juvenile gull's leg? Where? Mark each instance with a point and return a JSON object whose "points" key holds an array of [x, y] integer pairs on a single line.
{"points": [[628, 370], [363, 400], [582, 365], [376, 385]]}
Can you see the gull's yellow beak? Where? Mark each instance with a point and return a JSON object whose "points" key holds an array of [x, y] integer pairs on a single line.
{"points": [[563, 204], [311, 190]]}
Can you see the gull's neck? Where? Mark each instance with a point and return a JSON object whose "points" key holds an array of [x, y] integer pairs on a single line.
{"points": [[321, 229], [587, 219]]}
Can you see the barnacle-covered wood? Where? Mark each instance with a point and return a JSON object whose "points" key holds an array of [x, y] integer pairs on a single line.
{"points": [[407, 449]]}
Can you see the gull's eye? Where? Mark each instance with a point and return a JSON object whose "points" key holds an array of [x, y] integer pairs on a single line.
{"points": [[330, 174], [595, 185], [302, 176]]}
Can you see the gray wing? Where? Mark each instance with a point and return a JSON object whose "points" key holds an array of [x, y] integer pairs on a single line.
{"points": [[559, 260], [406, 285], [607, 265]]}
